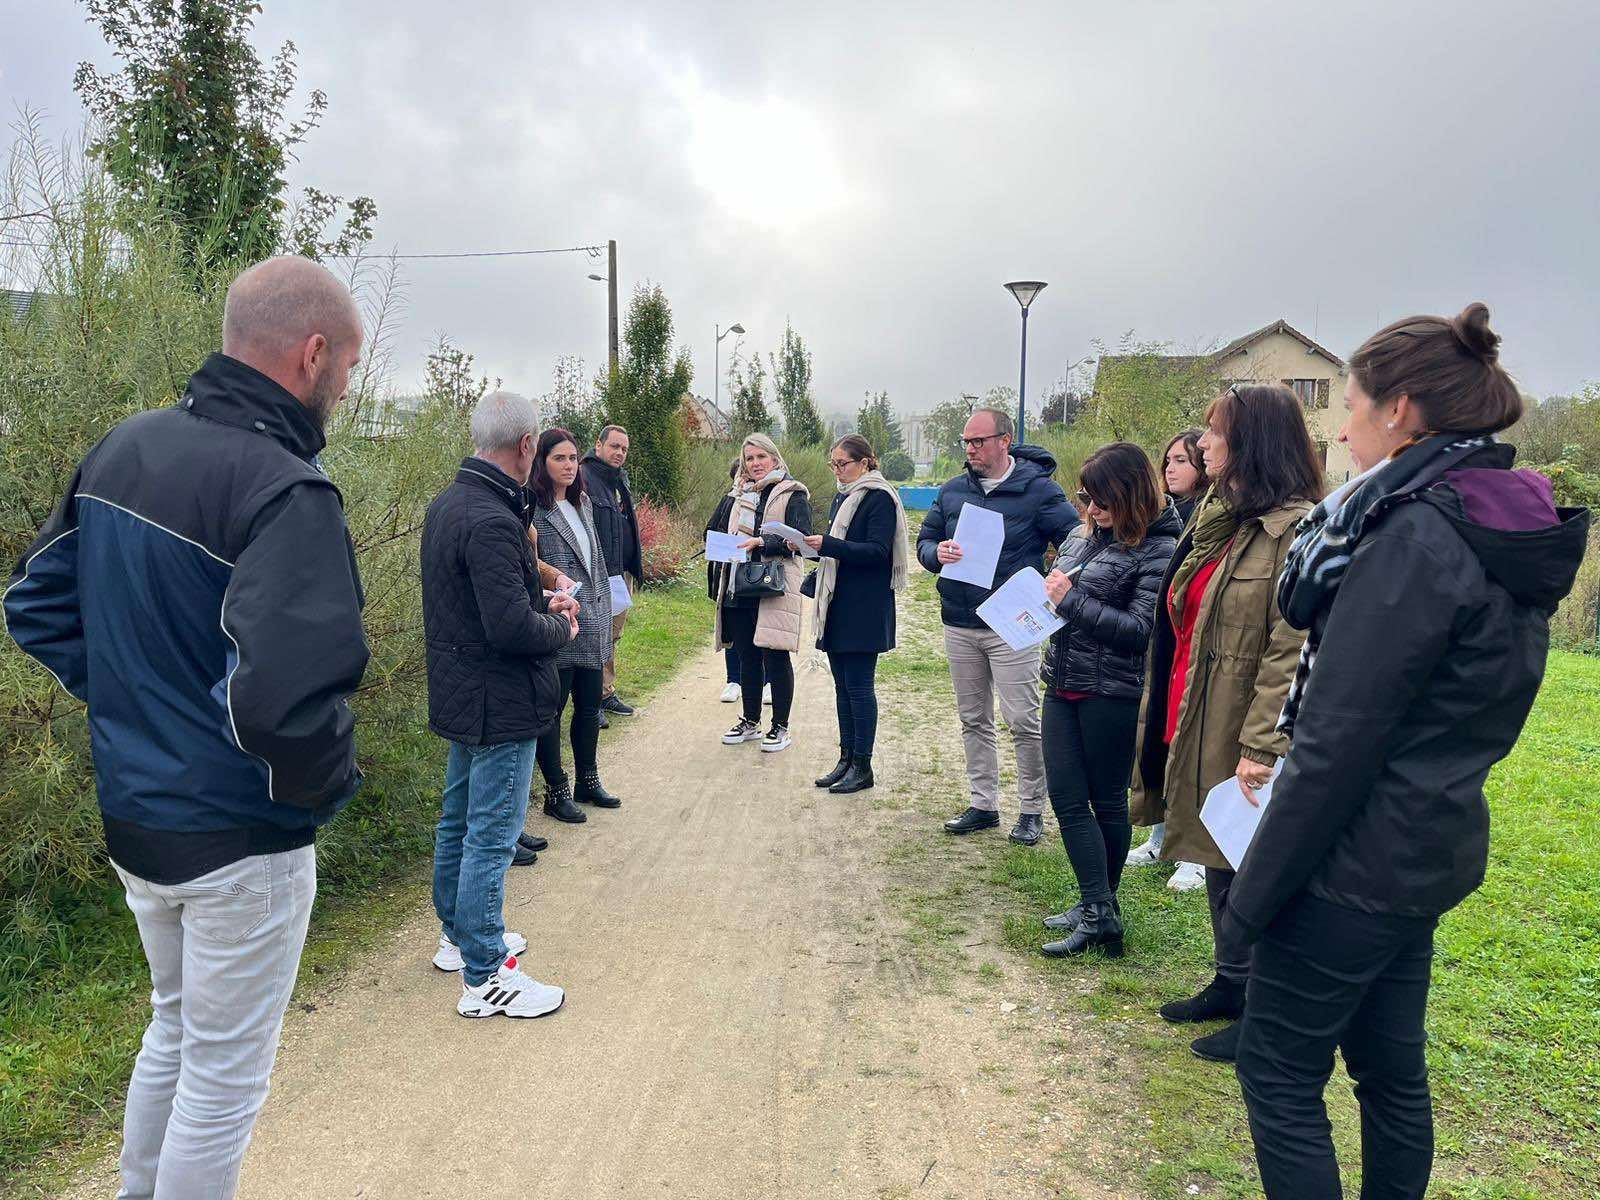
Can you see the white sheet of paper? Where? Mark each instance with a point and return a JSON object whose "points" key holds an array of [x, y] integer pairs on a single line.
{"points": [[790, 534], [1019, 611], [980, 532], [1231, 819], [724, 547], [621, 601]]}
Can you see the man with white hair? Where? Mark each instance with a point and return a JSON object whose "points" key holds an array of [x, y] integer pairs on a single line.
{"points": [[493, 689], [196, 587]]}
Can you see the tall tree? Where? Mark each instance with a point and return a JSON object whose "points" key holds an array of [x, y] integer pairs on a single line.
{"points": [[877, 423], [791, 386], [1144, 393], [645, 395], [574, 403], [747, 384], [193, 125]]}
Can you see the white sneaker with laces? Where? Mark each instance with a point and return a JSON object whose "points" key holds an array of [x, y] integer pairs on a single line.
{"points": [[742, 731], [777, 739], [731, 694], [1187, 877], [1143, 856], [449, 956], [510, 993]]}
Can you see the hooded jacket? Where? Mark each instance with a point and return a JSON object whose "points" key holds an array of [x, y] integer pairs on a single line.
{"points": [[611, 494], [1037, 514], [1431, 654], [196, 587], [1110, 610]]}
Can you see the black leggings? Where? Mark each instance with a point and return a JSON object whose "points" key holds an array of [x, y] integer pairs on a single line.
{"points": [[856, 698], [1088, 760], [582, 684], [1324, 976], [755, 663]]}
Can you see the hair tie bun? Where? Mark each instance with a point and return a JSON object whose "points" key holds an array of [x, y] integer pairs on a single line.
{"points": [[1472, 330]]}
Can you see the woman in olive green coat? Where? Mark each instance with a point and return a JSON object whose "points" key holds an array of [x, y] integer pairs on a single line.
{"points": [[1222, 658]]}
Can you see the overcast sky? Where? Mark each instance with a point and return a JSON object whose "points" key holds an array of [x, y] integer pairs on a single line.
{"points": [[874, 173]]}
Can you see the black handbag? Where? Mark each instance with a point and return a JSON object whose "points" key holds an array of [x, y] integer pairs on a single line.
{"points": [[759, 579]]}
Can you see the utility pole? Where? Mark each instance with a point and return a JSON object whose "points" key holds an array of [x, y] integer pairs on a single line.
{"points": [[611, 296]]}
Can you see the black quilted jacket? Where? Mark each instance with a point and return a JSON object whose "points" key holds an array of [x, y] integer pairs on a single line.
{"points": [[1110, 611], [491, 644]]}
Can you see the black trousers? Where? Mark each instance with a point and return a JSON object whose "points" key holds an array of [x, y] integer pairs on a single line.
{"points": [[1230, 950], [1088, 760], [582, 685], [855, 695], [1325, 976], [776, 666]]}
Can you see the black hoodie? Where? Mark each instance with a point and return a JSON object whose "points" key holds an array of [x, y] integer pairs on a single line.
{"points": [[1036, 513], [1431, 656]]}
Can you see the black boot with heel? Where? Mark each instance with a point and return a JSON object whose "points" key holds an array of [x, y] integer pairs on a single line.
{"points": [[857, 779], [1101, 925], [558, 804], [840, 768]]}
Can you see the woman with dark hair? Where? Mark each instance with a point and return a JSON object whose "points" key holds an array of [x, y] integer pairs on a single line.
{"points": [[865, 557], [1222, 657], [568, 542], [1104, 584], [1426, 585], [764, 628], [1183, 471]]}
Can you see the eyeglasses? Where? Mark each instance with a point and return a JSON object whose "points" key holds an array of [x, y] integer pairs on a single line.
{"points": [[839, 464], [1085, 498], [974, 443]]}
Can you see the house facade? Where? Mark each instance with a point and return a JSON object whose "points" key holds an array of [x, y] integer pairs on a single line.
{"points": [[1279, 353]]}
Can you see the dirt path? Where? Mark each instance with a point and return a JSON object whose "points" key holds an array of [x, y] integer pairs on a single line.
{"points": [[747, 1013]]}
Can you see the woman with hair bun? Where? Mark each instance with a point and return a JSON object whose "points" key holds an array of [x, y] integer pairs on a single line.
{"points": [[1426, 586], [865, 557]]}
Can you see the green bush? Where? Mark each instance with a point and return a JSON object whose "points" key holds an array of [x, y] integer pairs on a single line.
{"points": [[706, 477], [897, 465]]}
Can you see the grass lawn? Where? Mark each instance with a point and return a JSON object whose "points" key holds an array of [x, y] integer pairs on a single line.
{"points": [[74, 1003], [1514, 1019]]}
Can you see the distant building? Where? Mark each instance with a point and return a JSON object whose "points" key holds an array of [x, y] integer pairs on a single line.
{"points": [[388, 416], [704, 420], [914, 433], [17, 305], [1280, 353]]}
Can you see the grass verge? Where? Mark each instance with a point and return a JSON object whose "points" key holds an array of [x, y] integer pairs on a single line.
{"points": [[73, 1005]]}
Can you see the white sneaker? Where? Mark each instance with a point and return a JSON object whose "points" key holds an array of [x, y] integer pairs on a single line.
{"points": [[742, 731], [1143, 856], [449, 956], [1187, 877], [508, 991], [731, 694], [766, 694], [777, 739]]}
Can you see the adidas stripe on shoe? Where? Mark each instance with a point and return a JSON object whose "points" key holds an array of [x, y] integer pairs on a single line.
{"points": [[509, 992]]}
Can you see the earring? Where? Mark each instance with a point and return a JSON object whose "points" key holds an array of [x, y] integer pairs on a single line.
{"points": [[1390, 425]]}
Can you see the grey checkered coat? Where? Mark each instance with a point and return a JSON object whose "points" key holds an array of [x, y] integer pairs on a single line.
{"points": [[559, 548]]}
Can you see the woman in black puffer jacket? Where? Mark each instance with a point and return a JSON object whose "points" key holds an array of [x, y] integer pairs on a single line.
{"points": [[1105, 585]]}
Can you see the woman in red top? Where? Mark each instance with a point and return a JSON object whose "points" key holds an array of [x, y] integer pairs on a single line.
{"points": [[1222, 658]]}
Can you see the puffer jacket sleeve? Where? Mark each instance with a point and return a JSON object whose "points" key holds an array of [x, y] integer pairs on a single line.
{"points": [[292, 611], [41, 598], [1125, 630], [510, 624], [1259, 739], [1390, 625]]}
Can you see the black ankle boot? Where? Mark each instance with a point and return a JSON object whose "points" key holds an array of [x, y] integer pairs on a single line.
{"points": [[558, 804], [1219, 998], [1100, 926], [592, 791], [1068, 921], [857, 779], [838, 772]]}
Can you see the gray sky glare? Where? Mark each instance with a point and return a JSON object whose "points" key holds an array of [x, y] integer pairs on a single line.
{"points": [[875, 173]]}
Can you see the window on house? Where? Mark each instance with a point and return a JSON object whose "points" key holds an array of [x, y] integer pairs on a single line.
{"points": [[1313, 393]]}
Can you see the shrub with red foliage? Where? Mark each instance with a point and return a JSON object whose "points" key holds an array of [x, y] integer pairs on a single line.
{"points": [[666, 540]]}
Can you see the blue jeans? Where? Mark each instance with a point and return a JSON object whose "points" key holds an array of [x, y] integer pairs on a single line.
{"points": [[856, 699], [485, 803]]}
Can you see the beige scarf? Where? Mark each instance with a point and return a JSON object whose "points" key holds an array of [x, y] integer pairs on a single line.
{"points": [[854, 494]]}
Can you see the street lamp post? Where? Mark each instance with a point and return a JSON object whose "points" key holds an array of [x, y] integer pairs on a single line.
{"points": [[716, 362], [610, 280], [1025, 291]]}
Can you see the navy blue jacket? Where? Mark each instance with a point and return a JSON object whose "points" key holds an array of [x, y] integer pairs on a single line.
{"points": [[861, 613], [1036, 512], [196, 587]]}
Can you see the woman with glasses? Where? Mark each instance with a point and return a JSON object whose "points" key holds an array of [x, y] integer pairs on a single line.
{"points": [[1221, 660], [763, 626], [864, 563], [1183, 471], [1104, 584]]}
